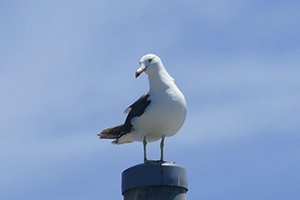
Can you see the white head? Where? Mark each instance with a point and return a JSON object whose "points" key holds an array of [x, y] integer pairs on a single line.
{"points": [[149, 64]]}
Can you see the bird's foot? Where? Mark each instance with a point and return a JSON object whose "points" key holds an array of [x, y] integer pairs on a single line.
{"points": [[146, 161], [154, 161]]}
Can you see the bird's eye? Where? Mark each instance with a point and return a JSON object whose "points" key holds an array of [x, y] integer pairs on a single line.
{"points": [[150, 60]]}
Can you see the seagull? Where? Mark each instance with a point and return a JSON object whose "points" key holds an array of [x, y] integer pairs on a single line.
{"points": [[154, 116]]}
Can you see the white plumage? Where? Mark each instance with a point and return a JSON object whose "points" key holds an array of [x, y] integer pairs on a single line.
{"points": [[159, 114]]}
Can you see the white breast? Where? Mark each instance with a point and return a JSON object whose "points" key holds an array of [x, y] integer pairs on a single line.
{"points": [[164, 116]]}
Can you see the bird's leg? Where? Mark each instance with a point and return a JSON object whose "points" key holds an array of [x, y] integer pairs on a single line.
{"points": [[145, 152], [162, 144]]}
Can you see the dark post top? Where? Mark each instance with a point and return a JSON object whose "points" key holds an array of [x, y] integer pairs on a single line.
{"points": [[154, 174]]}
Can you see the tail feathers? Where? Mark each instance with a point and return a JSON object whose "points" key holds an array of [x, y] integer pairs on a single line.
{"points": [[111, 133]]}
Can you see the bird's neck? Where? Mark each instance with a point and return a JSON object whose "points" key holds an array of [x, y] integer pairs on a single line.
{"points": [[160, 81]]}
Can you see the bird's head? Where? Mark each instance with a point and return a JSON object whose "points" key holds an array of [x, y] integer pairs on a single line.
{"points": [[149, 63]]}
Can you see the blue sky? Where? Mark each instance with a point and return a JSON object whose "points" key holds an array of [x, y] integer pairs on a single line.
{"points": [[67, 72]]}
